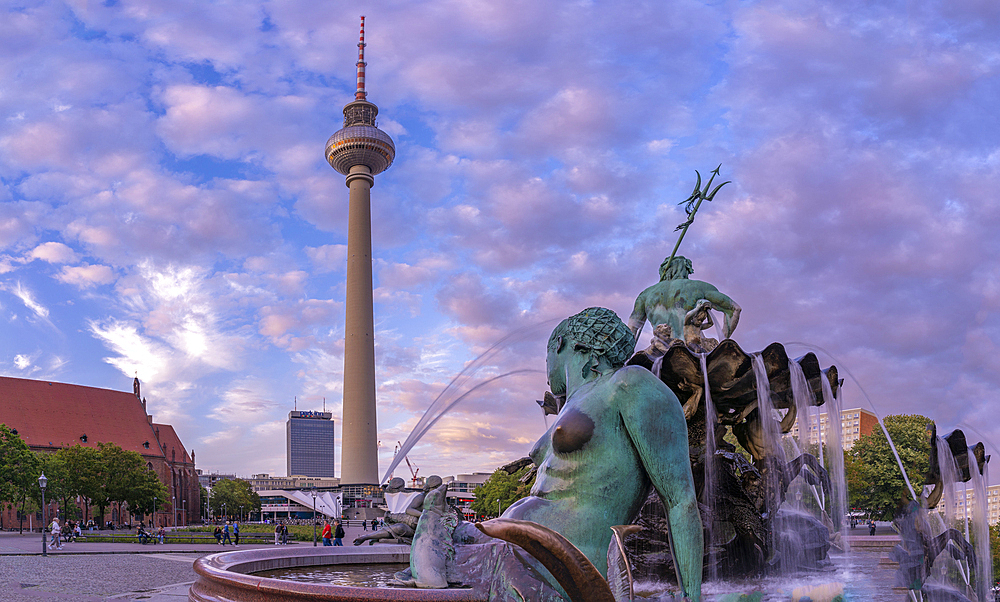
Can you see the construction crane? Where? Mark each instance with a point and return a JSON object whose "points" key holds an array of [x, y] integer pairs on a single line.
{"points": [[413, 471]]}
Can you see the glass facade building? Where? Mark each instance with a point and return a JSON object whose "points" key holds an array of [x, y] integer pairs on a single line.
{"points": [[309, 440]]}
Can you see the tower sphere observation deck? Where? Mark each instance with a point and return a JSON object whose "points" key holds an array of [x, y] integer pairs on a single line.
{"points": [[360, 142]]}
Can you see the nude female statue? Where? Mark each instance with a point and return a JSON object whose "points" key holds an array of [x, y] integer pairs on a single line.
{"points": [[620, 431]]}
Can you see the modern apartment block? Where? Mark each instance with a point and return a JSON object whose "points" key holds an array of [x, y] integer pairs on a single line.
{"points": [[966, 499], [853, 423]]}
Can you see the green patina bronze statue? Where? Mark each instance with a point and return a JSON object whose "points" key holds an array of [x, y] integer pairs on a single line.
{"points": [[592, 473], [682, 304], [620, 432]]}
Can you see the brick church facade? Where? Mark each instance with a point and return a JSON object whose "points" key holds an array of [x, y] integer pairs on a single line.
{"points": [[49, 416]]}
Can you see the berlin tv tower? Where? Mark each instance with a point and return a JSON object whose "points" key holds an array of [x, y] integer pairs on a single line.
{"points": [[359, 151]]}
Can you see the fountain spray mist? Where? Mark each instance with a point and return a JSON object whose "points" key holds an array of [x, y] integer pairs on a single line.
{"points": [[457, 389]]}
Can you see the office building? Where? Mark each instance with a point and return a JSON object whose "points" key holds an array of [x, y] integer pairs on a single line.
{"points": [[309, 444]]}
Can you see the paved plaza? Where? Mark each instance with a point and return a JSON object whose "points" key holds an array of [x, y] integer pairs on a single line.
{"points": [[105, 571], [163, 573]]}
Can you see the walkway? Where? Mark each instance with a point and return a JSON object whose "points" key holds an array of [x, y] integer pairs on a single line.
{"points": [[91, 572]]}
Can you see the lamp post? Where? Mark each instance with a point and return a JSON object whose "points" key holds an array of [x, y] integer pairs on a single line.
{"points": [[241, 513], [184, 511], [223, 511], [42, 482], [498, 507], [173, 508], [313, 492], [153, 520]]}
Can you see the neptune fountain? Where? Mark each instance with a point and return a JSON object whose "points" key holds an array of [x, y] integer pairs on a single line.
{"points": [[667, 461]]}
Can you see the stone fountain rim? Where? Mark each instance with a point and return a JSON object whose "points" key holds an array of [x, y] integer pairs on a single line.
{"points": [[226, 576]]}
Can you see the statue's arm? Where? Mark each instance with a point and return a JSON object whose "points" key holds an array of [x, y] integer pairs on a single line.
{"points": [[638, 317], [729, 308], [655, 423]]}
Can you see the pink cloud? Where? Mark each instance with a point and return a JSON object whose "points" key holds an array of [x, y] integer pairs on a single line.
{"points": [[86, 276]]}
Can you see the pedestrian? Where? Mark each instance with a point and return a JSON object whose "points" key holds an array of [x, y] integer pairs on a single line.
{"points": [[236, 532], [277, 533], [327, 533], [55, 531], [225, 534], [77, 532], [871, 527], [218, 534], [338, 534], [284, 535], [160, 534]]}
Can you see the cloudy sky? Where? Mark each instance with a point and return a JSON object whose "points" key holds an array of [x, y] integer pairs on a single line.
{"points": [[166, 210]]}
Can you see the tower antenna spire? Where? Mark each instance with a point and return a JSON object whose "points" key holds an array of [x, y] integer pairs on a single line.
{"points": [[361, 94]]}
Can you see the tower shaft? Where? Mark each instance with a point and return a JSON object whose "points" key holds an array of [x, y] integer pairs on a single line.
{"points": [[359, 456]]}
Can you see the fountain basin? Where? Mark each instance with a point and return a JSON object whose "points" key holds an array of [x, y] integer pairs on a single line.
{"points": [[226, 577]]}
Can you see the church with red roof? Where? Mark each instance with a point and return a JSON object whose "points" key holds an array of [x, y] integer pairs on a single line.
{"points": [[49, 416]]}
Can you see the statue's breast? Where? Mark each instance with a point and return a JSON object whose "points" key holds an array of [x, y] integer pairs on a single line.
{"points": [[572, 431]]}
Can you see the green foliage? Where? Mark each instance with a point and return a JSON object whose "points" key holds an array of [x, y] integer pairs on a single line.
{"points": [[874, 482], [19, 467], [103, 476], [234, 493], [19, 471], [83, 471], [295, 532], [60, 487], [100, 476], [503, 486], [995, 549]]}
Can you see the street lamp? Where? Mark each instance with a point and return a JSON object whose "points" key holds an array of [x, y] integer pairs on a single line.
{"points": [[223, 511], [313, 492], [42, 482], [498, 507], [241, 513], [173, 509], [152, 522], [184, 511]]}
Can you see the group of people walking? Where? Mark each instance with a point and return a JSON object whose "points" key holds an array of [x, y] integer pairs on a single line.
{"points": [[336, 534], [222, 533], [59, 533]]}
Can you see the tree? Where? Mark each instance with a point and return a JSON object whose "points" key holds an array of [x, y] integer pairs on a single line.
{"points": [[995, 549], [84, 473], [235, 494], [501, 486], [60, 486], [127, 480], [875, 483], [19, 471], [145, 493]]}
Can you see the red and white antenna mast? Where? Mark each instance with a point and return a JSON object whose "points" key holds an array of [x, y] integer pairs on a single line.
{"points": [[361, 94]]}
